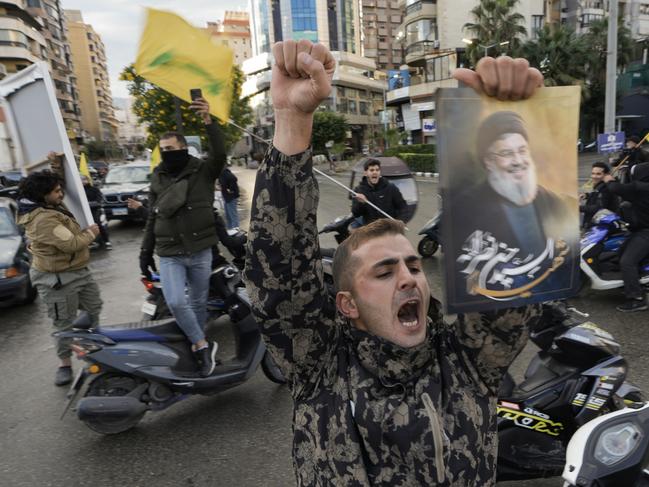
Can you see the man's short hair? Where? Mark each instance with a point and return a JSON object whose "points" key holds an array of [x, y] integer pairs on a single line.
{"points": [[38, 184], [634, 138], [495, 126], [371, 162], [345, 265], [602, 165], [179, 137]]}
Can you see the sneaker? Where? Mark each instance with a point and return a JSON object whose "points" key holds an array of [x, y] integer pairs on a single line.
{"points": [[632, 305], [94, 246], [63, 376], [108, 246], [206, 358]]}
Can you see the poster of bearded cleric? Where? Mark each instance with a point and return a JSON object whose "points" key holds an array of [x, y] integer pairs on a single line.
{"points": [[508, 177]]}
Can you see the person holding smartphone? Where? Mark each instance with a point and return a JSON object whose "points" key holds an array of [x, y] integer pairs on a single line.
{"points": [[180, 229]]}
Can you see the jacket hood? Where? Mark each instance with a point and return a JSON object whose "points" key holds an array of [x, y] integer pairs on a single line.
{"points": [[25, 206], [640, 172], [27, 217]]}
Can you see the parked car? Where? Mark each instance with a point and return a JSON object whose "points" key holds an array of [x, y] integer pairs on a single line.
{"points": [[15, 260], [124, 182], [101, 167], [9, 184]]}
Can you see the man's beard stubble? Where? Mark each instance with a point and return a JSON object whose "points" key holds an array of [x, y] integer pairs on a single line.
{"points": [[520, 193]]}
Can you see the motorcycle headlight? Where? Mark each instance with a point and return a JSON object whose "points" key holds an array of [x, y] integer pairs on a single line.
{"points": [[617, 442]]}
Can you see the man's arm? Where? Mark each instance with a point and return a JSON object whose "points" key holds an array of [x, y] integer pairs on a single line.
{"points": [[56, 234], [217, 154], [492, 340], [283, 267]]}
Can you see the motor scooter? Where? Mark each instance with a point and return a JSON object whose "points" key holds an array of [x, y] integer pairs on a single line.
{"points": [[430, 242], [577, 375], [133, 368], [610, 451], [601, 248]]}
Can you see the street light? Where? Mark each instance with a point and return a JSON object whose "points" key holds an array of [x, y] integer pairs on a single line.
{"points": [[486, 48]]}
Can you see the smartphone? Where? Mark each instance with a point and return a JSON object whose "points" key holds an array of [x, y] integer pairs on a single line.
{"points": [[195, 93]]}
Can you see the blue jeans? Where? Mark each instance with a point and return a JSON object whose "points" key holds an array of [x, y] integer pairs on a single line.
{"points": [[193, 272], [231, 215]]}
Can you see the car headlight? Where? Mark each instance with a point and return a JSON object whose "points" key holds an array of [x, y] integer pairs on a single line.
{"points": [[617, 442], [142, 197]]}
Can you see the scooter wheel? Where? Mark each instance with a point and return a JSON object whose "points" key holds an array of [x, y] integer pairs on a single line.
{"points": [[110, 385], [271, 371], [427, 247]]}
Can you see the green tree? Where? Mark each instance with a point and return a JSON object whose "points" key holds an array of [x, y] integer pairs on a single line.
{"points": [[596, 41], [495, 22], [156, 109], [560, 54], [328, 126]]}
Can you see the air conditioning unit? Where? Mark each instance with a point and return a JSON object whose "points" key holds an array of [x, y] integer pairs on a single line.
{"points": [[436, 44], [3, 71]]}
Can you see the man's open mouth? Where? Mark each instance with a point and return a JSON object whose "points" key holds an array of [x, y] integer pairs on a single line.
{"points": [[408, 314]]}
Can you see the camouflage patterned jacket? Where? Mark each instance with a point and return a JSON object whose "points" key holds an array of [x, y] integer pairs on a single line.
{"points": [[368, 412]]}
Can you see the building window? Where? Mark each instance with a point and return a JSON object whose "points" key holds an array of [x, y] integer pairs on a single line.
{"points": [[421, 30], [352, 107], [537, 25], [364, 108], [439, 68], [15, 38], [34, 3], [588, 19]]}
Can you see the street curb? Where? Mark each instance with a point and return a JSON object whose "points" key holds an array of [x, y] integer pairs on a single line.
{"points": [[427, 175]]}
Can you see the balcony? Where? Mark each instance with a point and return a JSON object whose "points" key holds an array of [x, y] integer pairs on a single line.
{"points": [[418, 91], [417, 6], [420, 49], [420, 9]]}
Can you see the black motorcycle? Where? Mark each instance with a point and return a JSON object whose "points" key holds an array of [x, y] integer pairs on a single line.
{"points": [[430, 242], [148, 366], [577, 375]]}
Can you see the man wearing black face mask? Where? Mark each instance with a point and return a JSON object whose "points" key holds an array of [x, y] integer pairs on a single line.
{"points": [[180, 228]]}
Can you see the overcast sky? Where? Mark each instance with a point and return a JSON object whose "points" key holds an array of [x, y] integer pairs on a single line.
{"points": [[120, 23]]}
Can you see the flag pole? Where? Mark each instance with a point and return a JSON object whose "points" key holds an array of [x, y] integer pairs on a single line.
{"points": [[353, 193]]}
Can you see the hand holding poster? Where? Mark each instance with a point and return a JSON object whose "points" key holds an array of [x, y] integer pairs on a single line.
{"points": [[509, 185]]}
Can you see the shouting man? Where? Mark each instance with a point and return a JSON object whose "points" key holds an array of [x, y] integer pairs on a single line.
{"points": [[383, 395]]}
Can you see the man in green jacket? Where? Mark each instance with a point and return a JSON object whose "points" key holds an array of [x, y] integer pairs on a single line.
{"points": [[60, 253], [180, 228], [383, 395]]}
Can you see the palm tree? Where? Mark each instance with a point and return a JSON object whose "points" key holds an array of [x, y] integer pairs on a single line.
{"points": [[496, 22], [559, 53], [596, 41]]}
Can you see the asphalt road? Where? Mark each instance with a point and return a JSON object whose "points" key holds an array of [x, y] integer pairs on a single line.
{"points": [[238, 438]]}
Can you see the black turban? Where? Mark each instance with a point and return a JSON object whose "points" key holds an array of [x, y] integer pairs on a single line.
{"points": [[496, 125]]}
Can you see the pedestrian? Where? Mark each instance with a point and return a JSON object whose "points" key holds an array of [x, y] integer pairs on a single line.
{"points": [[383, 395], [60, 253], [180, 229], [635, 193], [230, 190], [96, 201], [379, 191]]}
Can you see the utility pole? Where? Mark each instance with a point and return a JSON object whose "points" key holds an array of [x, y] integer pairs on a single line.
{"points": [[611, 68]]}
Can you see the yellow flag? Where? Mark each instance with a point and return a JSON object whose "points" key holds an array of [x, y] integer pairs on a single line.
{"points": [[155, 157], [83, 167], [177, 57]]}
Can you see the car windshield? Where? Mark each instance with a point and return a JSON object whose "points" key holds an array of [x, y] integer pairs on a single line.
{"points": [[408, 188], [7, 226], [128, 174]]}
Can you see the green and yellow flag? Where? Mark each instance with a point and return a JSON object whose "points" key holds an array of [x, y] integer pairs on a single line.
{"points": [[177, 57], [83, 167], [155, 157]]}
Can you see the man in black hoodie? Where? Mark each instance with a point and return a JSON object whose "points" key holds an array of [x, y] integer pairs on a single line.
{"points": [[379, 191], [636, 249]]}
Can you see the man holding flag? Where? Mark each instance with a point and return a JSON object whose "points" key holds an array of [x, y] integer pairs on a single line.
{"points": [[180, 228]]}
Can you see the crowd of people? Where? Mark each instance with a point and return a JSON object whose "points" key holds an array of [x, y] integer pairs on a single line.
{"points": [[384, 391]]}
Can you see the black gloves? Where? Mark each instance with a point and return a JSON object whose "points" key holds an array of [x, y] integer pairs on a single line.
{"points": [[146, 262]]}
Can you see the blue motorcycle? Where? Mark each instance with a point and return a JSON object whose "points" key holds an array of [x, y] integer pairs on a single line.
{"points": [[601, 247]]}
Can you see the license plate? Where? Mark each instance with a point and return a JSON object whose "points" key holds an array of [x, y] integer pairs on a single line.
{"points": [[148, 308], [120, 211]]}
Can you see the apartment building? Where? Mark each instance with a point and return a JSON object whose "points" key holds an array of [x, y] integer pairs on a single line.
{"points": [[380, 22], [358, 87], [234, 32], [91, 71]]}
